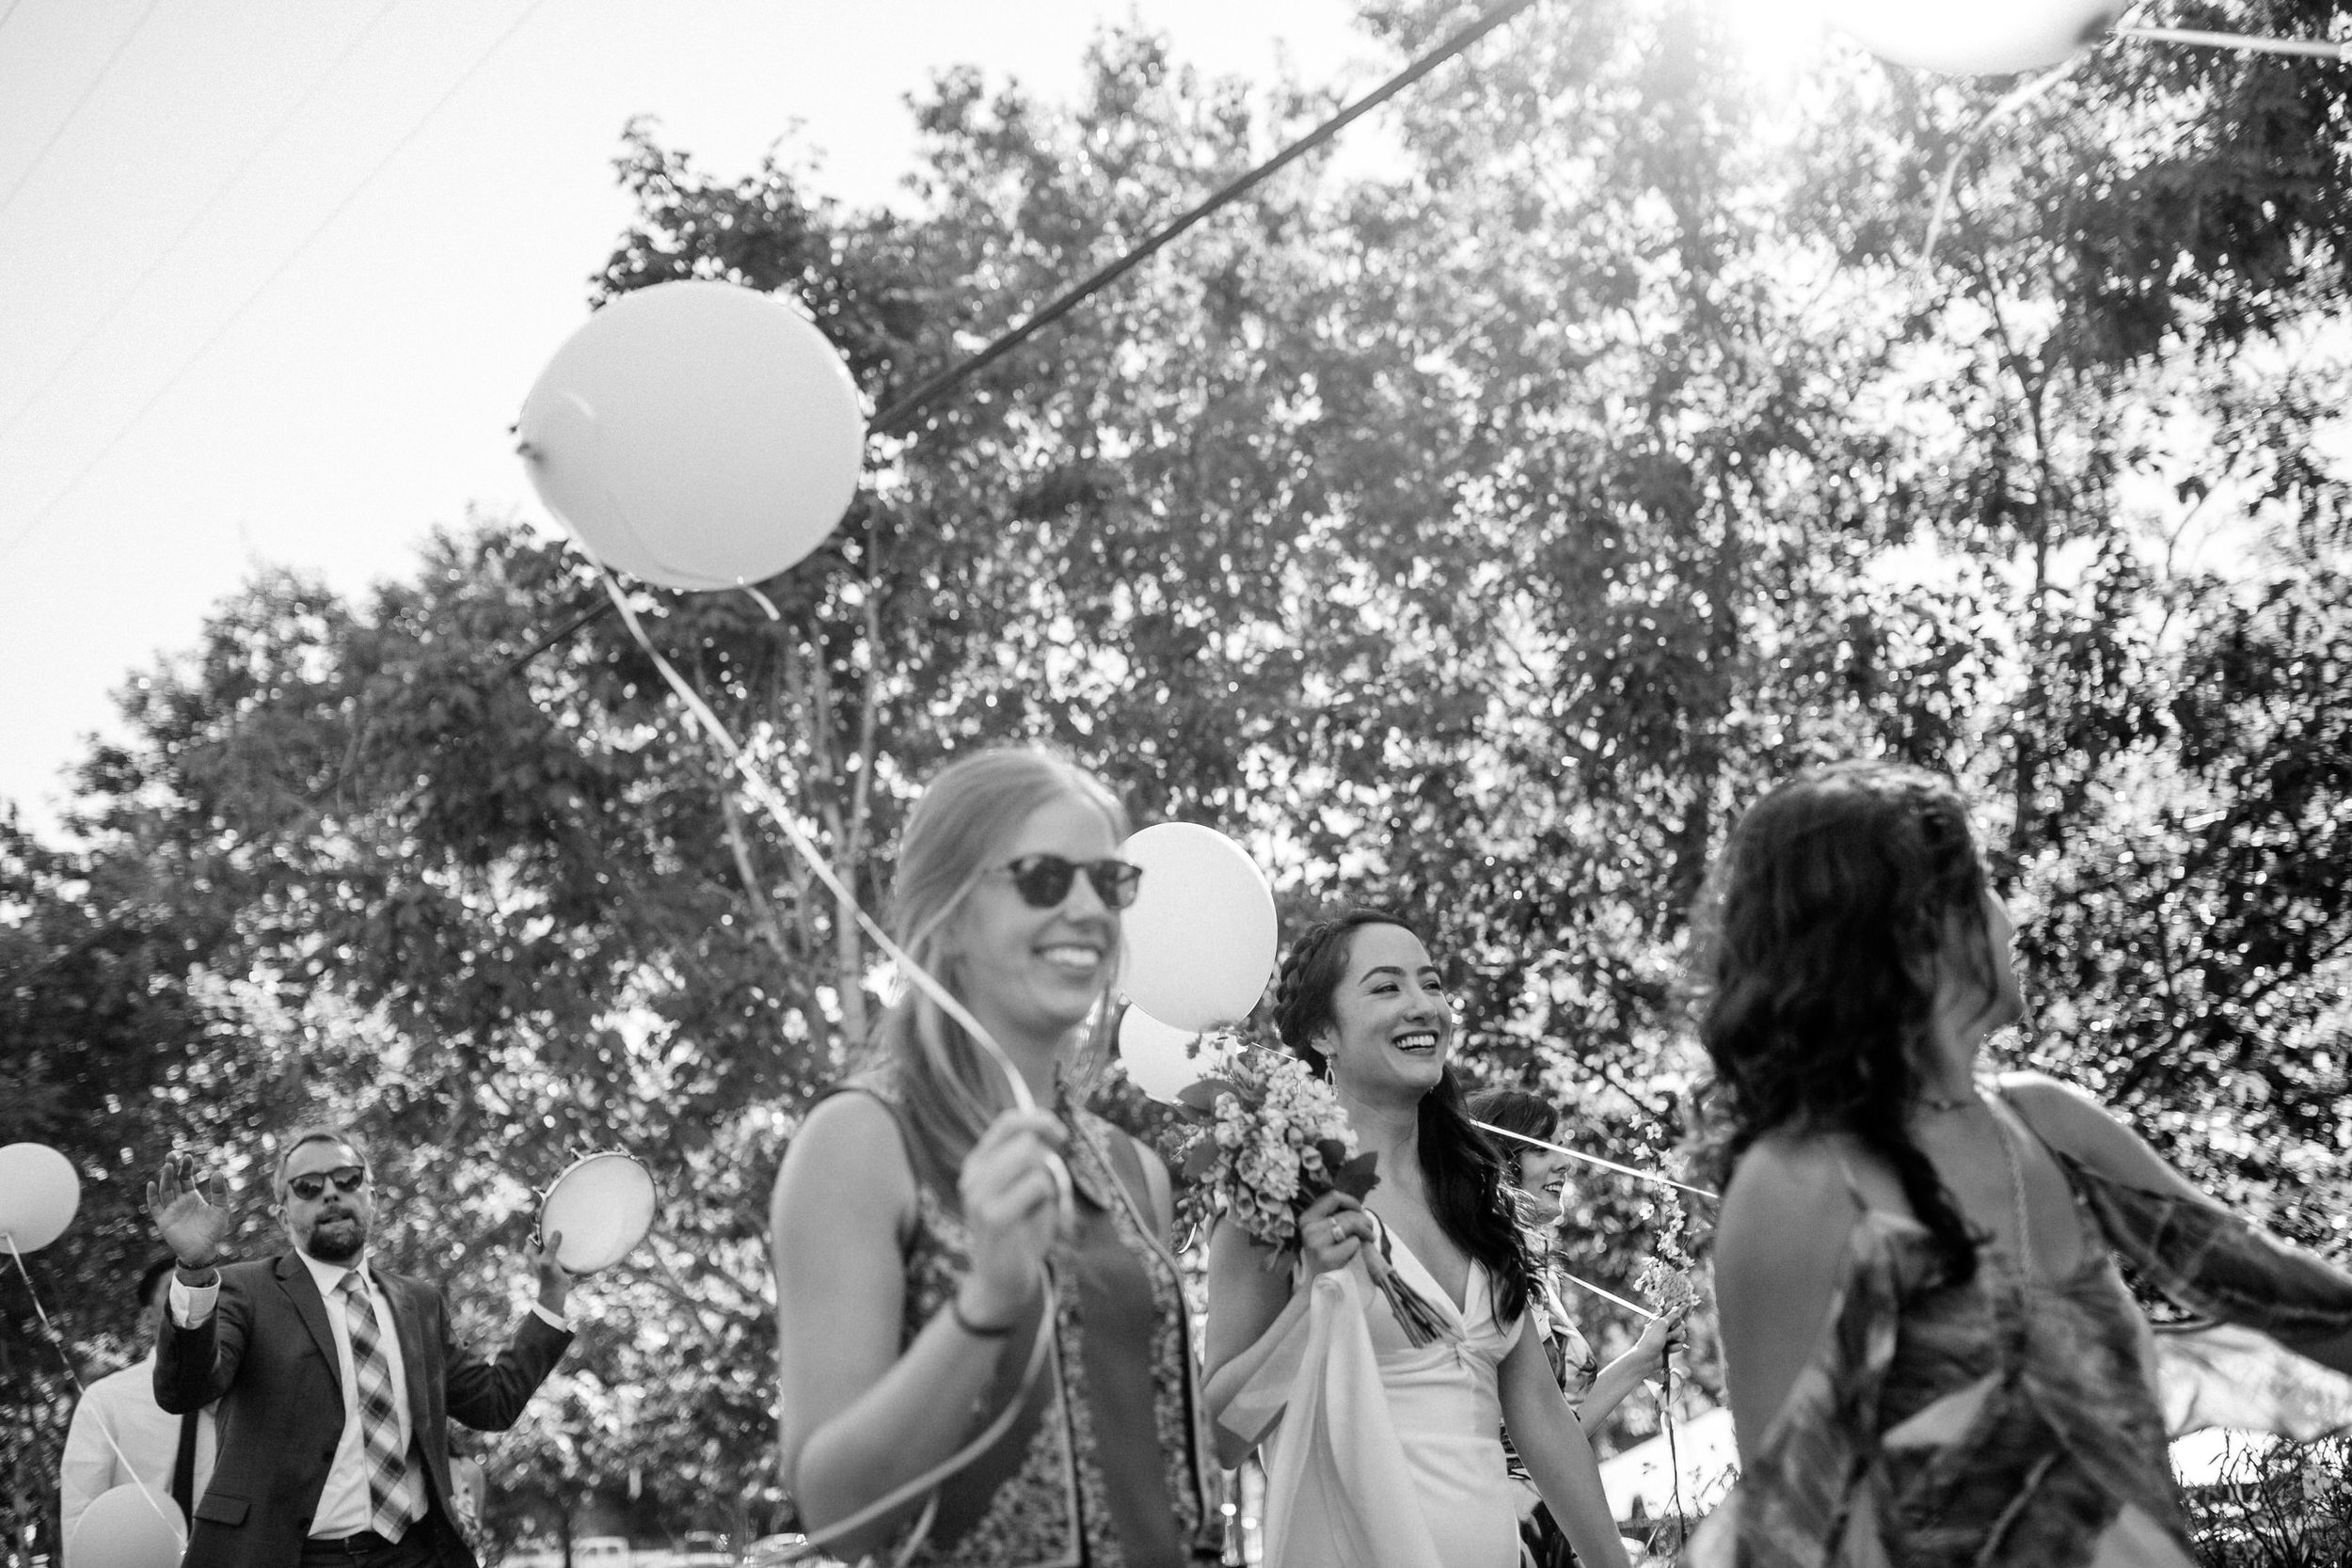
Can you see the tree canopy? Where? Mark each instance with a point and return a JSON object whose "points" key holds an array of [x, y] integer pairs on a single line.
{"points": [[1475, 538]]}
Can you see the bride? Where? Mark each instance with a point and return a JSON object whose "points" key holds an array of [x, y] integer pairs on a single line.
{"points": [[1382, 1452]]}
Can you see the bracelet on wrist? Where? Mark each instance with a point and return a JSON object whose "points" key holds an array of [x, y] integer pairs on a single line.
{"points": [[186, 1267], [977, 1331]]}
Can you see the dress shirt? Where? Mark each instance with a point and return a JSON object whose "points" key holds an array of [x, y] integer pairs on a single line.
{"points": [[121, 1407], [345, 1506]]}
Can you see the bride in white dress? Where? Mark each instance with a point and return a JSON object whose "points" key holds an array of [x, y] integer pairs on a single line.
{"points": [[1381, 1452]]}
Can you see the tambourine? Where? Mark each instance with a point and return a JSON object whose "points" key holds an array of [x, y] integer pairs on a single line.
{"points": [[601, 1206]]}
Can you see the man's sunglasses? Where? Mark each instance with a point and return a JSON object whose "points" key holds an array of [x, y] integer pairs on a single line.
{"points": [[1044, 880], [310, 1188]]}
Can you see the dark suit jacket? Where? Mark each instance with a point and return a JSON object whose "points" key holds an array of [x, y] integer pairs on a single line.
{"points": [[267, 1354]]}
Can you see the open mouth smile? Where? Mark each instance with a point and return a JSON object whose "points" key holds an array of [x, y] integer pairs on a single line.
{"points": [[1071, 958], [1418, 1042]]}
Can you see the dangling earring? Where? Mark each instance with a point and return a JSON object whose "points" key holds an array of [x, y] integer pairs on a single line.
{"points": [[1327, 1071]]}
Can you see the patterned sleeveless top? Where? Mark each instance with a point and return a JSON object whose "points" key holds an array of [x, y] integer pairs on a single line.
{"points": [[2011, 1421], [1102, 1468]]}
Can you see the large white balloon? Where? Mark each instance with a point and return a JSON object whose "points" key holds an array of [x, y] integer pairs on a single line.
{"points": [[697, 434], [39, 1193], [1976, 38], [1201, 934], [128, 1528], [1156, 1057]]}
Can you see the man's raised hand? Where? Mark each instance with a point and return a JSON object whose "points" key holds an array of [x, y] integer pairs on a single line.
{"points": [[193, 1223]]}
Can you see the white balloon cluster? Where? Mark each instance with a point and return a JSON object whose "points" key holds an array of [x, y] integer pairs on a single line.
{"points": [[1200, 938]]}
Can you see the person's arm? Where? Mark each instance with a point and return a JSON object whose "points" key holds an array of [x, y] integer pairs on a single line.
{"points": [[1252, 1305], [2078, 1125], [1780, 1259], [491, 1394], [1661, 1337], [860, 1415], [89, 1470], [1552, 1445]]}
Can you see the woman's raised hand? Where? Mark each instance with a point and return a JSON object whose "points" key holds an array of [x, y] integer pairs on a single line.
{"points": [[1332, 1231], [1012, 1206], [1661, 1337]]}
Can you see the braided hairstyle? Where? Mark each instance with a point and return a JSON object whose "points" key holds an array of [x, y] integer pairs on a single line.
{"points": [[1818, 942], [1463, 1171]]}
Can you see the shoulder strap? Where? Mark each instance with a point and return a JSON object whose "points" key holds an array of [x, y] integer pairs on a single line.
{"points": [[1127, 1164]]}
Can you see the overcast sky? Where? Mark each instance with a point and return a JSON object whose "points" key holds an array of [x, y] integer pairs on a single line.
{"points": [[279, 272]]}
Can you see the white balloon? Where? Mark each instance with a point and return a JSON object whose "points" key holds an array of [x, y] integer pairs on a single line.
{"points": [[39, 1193], [1155, 1055], [129, 1526], [1976, 38], [1201, 934], [697, 434]]}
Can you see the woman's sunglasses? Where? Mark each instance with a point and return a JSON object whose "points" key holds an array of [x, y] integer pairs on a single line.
{"points": [[311, 1187], [1044, 880]]}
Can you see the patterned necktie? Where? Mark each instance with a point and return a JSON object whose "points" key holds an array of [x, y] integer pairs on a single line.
{"points": [[391, 1482]]}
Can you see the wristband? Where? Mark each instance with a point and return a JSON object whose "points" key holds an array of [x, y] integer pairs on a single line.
{"points": [[977, 1331]]}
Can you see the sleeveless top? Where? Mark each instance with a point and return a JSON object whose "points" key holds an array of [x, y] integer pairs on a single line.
{"points": [[2010, 1420], [1102, 1468]]}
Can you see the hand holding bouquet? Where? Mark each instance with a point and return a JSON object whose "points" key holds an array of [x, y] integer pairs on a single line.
{"points": [[1270, 1140]]}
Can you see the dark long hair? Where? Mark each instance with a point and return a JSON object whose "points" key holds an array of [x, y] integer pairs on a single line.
{"points": [[1818, 942], [1465, 1175], [1531, 1115]]}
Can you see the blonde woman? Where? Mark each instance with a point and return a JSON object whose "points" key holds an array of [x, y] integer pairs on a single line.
{"points": [[921, 1243]]}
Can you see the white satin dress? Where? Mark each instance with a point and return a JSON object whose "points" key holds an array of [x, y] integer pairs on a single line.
{"points": [[1387, 1454]]}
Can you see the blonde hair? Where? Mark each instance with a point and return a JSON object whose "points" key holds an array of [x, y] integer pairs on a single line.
{"points": [[960, 829]]}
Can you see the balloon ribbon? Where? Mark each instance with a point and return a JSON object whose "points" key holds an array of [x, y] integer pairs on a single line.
{"points": [[1596, 1160], [167, 1513], [2244, 44]]}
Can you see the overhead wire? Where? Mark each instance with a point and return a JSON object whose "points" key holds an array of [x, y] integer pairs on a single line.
{"points": [[911, 402], [122, 300], [188, 364], [71, 114], [1478, 27]]}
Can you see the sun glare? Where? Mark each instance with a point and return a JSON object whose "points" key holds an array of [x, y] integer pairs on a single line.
{"points": [[1779, 39]]}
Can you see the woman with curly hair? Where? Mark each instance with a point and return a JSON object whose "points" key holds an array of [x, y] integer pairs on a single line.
{"points": [[1384, 1446], [1932, 1359]]}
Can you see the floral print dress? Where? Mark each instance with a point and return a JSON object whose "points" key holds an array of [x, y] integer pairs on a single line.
{"points": [[1102, 1468], [2010, 1420]]}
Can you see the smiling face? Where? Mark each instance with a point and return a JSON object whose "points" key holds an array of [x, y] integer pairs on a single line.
{"points": [[1033, 974], [1390, 1021], [1544, 1178], [333, 1226]]}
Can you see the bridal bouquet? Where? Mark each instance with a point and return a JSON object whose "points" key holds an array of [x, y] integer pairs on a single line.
{"points": [[1269, 1139]]}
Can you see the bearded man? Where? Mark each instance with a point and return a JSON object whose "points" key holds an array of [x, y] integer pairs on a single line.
{"points": [[336, 1377]]}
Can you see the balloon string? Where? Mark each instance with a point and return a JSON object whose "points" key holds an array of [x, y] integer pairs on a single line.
{"points": [[2244, 44], [2015, 101], [765, 794], [1596, 1160], [921, 978], [898, 1496], [1606, 1295], [169, 1515]]}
